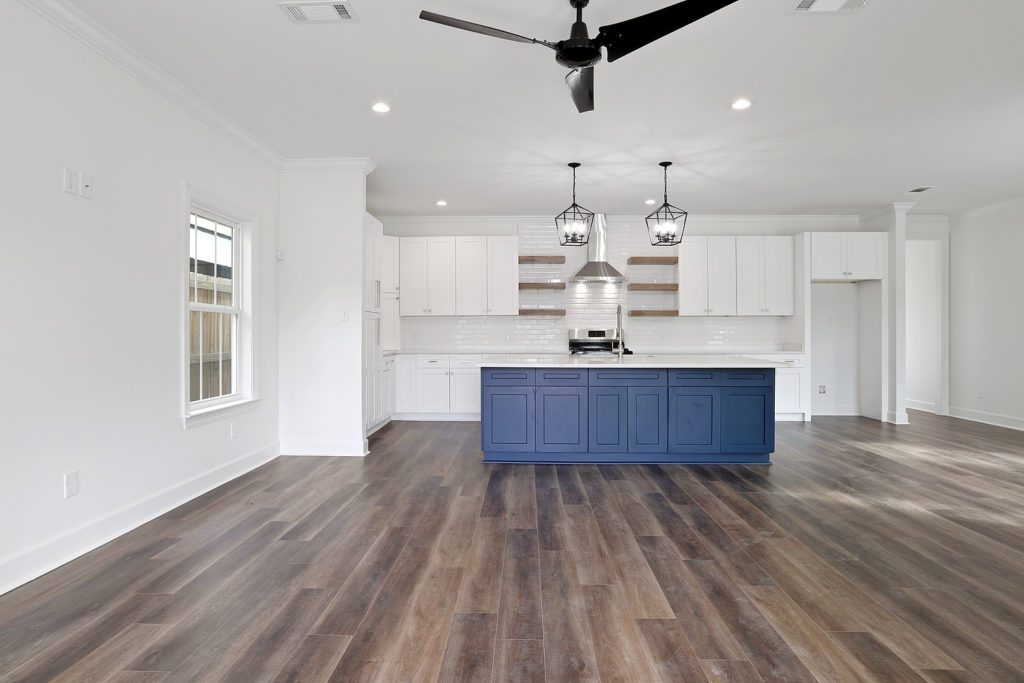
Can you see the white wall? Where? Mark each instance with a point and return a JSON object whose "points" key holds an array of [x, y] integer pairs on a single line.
{"points": [[92, 341], [321, 298], [987, 315], [924, 321], [834, 340]]}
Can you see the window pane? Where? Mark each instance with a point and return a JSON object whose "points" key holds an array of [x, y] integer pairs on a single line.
{"points": [[192, 260], [224, 271], [211, 355]]}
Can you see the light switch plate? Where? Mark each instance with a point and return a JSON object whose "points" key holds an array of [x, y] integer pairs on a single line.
{"points": [[85, 186], [71, 484], [71, 181]]}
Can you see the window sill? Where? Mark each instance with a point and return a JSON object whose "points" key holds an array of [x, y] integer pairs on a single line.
{"points": [[216, 413]]}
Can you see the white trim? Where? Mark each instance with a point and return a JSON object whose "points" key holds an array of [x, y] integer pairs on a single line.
{"points": [[836, 411], [810, 222], [927, 406], [216, 413], [900, 419], [328, 164], [28, 564], [939, 231], [789, 417], [1008, 421], [436, 417], [321, 447], [66, 17], [991, 208]]}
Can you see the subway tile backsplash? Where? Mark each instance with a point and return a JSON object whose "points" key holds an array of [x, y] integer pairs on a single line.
{"points": [[593, 306]]}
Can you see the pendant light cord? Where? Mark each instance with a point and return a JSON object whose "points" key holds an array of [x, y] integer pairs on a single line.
{"points": [[574, 186], [666, 184]]}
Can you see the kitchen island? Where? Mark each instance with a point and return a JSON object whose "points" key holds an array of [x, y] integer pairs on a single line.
{"points": [[637, 409]]}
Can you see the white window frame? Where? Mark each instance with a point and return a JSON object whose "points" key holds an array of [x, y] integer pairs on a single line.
{"points": [[243, 364]]}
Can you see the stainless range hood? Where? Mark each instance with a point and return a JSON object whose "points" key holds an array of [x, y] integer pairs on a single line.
{"points": [[598, 269]]}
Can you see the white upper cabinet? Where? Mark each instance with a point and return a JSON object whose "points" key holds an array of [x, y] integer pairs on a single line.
{"points": [[852, 256], [373, 238], [471, 275], [413, 276], [503, 275], [440, 276], [764, 276], [707, 276], [389, 260]]}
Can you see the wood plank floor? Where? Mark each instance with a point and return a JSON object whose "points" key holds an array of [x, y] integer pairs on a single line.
{"points": [[866, 553]]}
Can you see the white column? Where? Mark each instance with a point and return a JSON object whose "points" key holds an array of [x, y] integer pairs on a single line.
{"points": [[897, 305]]}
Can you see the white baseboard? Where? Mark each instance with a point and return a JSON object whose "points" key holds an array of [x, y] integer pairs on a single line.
{"points": [[31, 563], [789, 417], [837, 411], [900, 419], [996, 419], [927, 406], [436, 417], [318, 447]]}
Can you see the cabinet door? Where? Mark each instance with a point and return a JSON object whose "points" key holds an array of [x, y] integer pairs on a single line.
{"points": [[748, 419], [471, 275], [508, 420], [827, 262], [373, 237], [722, 276], [378, 395], [647, 419], [440, 276], [465, 390], [750, 275], [503, 275], [694, 420], [405, 384], [788, 391], [432, 388], [608, 420], [392, 324], [389, 260], [864, 255], [778, 276], [412, 262], [562, 419], [693, 276]]}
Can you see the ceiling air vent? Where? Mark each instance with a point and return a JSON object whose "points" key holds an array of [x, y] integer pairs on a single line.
{"points": [[833, 6], [317, 11], [922, 189]]}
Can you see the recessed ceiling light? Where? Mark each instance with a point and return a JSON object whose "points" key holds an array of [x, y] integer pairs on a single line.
{"points": [[441, 202], [382, 107], [650, 202], [741, 104]]}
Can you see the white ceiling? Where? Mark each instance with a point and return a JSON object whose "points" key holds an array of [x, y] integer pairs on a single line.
{"points": [[850, 111]]}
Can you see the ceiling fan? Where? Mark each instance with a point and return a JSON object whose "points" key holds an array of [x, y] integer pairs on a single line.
{"points": [[580, 52]]}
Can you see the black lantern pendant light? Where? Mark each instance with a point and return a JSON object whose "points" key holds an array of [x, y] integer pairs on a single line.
{"points": [[666, 225], [574, 224]]}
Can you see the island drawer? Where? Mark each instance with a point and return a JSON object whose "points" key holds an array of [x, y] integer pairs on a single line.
{"points": [[748, 378], [694, 378], [562, 377], [508, 377], [621, 377]]}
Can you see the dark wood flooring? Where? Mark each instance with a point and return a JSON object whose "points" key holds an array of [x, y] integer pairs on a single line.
{"points": [[866, 553]]}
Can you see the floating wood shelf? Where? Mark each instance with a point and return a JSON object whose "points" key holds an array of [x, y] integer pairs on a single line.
{"points": [[653, 287], [541, 285], [550, 312], [523, 260], [653, 260], [654, 314]]}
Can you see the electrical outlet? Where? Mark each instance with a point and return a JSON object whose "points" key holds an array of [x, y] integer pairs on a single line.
{"points": [[981, 394], [71, 483], [71, 181], [822, 389], [85, 186]]}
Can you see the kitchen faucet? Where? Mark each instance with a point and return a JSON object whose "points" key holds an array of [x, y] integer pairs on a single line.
{"points": [[618, 330]]}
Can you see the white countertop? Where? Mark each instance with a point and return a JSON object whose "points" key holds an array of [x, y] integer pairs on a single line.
{"points": [[661, 361]]}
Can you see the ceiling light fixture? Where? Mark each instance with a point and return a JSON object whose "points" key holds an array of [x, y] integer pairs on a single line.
{"points": [[441, 202], [650, 202], [742, 104], [666, 225], [574, 224], [382, 107]]}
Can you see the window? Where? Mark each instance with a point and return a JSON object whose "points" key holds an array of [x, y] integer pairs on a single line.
{"points": [[218, 343]]}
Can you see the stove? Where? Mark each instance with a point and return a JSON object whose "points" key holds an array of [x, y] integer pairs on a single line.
{"points": [[595, 342]]}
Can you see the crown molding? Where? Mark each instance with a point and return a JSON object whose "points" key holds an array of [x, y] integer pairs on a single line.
{"points": [[328, 164], [840, 220], [991, 208], [103, 42]]}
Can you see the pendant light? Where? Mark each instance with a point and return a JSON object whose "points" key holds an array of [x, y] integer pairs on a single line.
{"points": [[666, 225], [574, 224]]}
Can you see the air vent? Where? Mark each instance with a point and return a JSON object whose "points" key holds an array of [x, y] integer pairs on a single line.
{"points": [[919, 190], [833, 6], [317, 11]]}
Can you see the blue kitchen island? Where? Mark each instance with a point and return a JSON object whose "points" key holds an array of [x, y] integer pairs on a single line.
{"points": [[638, 409]]}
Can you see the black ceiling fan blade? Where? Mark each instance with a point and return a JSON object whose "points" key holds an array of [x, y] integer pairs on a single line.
{"points": [[627, 36], [481, 29], [581, 87]]}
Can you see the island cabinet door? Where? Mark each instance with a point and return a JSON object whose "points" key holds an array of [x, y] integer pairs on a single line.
{"points": [[608, 419], [508, 419], [694, 420], [748, 419], [562, 419], [648, 419]]}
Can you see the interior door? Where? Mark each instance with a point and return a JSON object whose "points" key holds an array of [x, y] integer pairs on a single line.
{"points": [[413, 275], [503, 275], [750, 276], [778, 276], [440, 276], [722, 276], [471, 275], [693, 276]]}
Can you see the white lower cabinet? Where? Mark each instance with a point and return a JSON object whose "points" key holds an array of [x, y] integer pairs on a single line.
{"points": [[437, 386], [788, 391]]}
